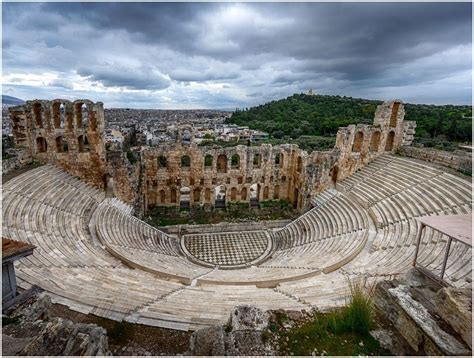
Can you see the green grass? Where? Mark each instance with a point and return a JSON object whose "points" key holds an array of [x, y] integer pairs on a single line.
{"points": [[344, 331]]}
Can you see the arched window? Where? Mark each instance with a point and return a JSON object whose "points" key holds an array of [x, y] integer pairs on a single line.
{"points": [[41, 145], [185, 161], [233, 194], [299, 166], [256, 160], [62, 113], [208, 161], [162, 196], [389, 142], [83, 144], [173, 196], [162, 162], [85, 116], [393, 117], [196, 195], [56, 115], [358, 140], [276, 192], [235, 161], [375, 141], [61, 145], [265, 193], [186, 137], [38, 116], [277, 160], [243, 194], [222, 163]]}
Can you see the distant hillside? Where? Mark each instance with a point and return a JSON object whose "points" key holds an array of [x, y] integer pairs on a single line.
{"points": [[318, 115], [11, 100]]}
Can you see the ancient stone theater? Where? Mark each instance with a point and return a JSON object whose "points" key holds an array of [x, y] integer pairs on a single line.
{"points": [[359, 205]]}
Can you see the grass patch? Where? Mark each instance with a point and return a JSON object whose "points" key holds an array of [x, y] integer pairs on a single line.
{"points": [[344, 331], [6, 320]]}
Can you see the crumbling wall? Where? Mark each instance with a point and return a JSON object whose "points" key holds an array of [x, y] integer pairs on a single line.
{"points": [[360, 144], [459, 160], [68, 134]]}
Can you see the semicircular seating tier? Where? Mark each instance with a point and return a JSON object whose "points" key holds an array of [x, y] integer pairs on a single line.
{"points": [[85, 245]]}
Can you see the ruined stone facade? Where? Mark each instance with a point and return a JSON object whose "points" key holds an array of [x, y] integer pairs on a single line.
{"points": [[183, 174], [68, 134]]}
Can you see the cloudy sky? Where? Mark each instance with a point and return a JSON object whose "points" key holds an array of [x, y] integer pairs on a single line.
{"points": [[228, 55]]}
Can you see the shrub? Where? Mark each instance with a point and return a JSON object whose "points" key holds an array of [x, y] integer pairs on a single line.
{"points": [[357, 316]]}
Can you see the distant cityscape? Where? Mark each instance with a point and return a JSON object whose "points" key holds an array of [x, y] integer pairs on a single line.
{"points": [[152, 127]]}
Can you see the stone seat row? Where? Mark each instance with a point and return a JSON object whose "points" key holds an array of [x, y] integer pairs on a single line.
{"points": [[326, 195], [118, 228], [119, 204], [396, 176], [326, 254], [52, 176], [336, 217], [394, 251]]}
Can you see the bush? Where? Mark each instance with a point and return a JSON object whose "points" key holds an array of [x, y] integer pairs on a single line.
{"points": [[358, 315]]}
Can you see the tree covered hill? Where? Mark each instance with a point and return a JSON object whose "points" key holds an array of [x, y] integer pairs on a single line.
{"points": [[318, 115]]}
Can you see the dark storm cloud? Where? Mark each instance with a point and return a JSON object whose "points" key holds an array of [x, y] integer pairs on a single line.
{"points": [[202, 52]]}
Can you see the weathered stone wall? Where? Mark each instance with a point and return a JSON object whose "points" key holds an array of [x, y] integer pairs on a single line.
{"points": [[185, 174], [68, 134], [17, 159], [360, 144], [459, 160]]}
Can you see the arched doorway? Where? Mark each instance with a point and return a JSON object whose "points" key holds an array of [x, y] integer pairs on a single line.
{"points": [[233, 194], [41, 145], [219, 196], [358, 141], [375, 142], [389, 142], [254, 194], [197, 195], [185, 198], [243, 194], [265, 193], [393, 117], [276, 192], [162, 197], [296, 195]]}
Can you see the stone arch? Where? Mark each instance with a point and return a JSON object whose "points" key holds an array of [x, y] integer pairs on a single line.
{"points": [[394, 115], [185, 198], [276, 192], [265, 193], [254, 194], [197, 195], [299, 166], [61, 145], [83, 144], [296, 195], [208, 159], [222, 163], [389, 142], [277, 159], [243, 194], [41, 145], [335, 174], [219, 196], [173, 196], [38, 115], [257, 159], [233, 194], [162, 162], [162, 196], [375, 141], [185, 161], [235, 161], [358, 141]]}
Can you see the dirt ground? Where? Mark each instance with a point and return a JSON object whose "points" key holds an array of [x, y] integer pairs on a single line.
{"points": [[132, 339]]}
